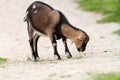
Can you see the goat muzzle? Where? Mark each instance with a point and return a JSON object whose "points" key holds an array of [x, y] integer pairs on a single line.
{"points": [[80, 49]]}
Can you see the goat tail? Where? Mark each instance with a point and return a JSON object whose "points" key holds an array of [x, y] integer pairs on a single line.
{"points": [[25, 17]]}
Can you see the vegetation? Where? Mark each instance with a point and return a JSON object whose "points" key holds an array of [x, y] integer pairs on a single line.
{"points": [[65, 76], [108, 76], [111, 8], [2, 60], [117, 32], [53, 75]]}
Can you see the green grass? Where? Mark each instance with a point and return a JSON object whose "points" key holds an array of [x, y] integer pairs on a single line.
{"points": [[53, 75], [2, 60], [44, 61], [117, 32], [107, 76], [65, 76], [107, 7]]}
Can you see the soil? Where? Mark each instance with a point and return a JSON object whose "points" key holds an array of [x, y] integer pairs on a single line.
{"points": [[102, 53]]}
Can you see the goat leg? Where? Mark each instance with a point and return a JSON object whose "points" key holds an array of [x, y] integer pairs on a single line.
{"points": [[67, 52], [54, 43], [33, 44]]}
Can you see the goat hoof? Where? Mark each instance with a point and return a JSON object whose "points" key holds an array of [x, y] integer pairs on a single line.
{"points": [[29, 59], [69, 56], [37, 59], [57, 57]]}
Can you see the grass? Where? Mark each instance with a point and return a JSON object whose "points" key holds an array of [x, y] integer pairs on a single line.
{"points": [[106, 7], [45, 61], [65, 76], [2, 60], [107, 76], [53, 75], [117, 32], [48, 61]]}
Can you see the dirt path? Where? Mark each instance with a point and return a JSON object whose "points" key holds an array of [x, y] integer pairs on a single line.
{"points": [[102, 54]]}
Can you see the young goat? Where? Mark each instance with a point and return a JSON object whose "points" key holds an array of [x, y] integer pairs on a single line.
{"points": [[42, 19]]}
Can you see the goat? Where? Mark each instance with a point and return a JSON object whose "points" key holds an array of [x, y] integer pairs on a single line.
{"points": [[43, 20]]}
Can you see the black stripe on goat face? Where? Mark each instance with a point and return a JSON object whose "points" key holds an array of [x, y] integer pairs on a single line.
{"points": [[81, 44], [81, 49]]}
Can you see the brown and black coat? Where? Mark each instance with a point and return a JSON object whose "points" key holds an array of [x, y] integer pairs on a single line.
{"points": [[43, 20]]}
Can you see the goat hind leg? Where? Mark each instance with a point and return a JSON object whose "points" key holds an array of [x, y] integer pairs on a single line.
{"points": [[33, 44], [35, 41], [32, 49]]}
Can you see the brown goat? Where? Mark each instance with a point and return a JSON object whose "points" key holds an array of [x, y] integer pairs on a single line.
{"points": [[42, 19]]}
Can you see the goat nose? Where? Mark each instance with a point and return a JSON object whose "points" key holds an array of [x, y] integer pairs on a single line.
{"points": [[83, 49], [78, 49]]}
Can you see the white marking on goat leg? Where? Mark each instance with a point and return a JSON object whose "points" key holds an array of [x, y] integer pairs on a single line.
{"points": [[34, 6]]}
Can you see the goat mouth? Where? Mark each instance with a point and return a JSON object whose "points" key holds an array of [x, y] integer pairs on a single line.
{"points": [[80, 49]]}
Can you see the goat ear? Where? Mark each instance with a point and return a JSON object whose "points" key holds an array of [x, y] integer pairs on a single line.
{"points": [[80, 37]]}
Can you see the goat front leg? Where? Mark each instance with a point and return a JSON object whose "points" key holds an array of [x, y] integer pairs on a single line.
{"points": [[67, 52], [53, 19], [54, 44]]}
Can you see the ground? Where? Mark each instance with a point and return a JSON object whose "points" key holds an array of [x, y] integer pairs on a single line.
{"points": [[102, 53]]}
